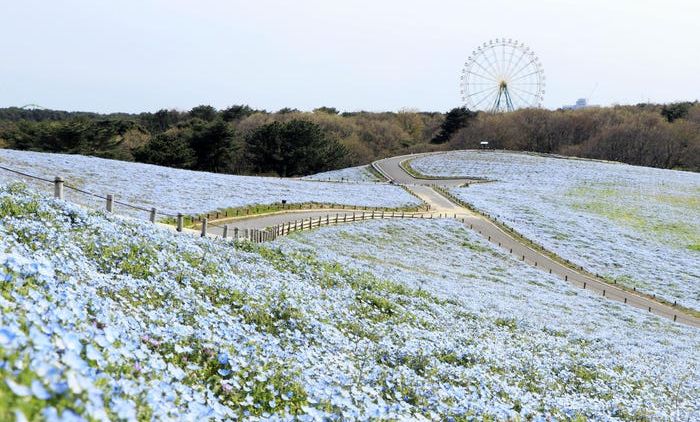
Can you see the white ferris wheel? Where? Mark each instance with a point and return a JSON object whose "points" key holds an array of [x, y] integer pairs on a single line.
{"points": [[502, 75]]}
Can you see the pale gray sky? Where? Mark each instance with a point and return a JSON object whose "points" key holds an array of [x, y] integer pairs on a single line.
{"points": [[143, 55]]}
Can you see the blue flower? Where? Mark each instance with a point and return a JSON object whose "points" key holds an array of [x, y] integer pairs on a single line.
{"points": [[18, 389], [6, 337], [39, 391]]}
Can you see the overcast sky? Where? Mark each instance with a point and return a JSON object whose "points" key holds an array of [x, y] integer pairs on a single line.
{"points": [[143, 55]]}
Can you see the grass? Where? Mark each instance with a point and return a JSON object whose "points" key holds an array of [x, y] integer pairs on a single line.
{"points": [[377, 175], [607, 203], [232, 213]]}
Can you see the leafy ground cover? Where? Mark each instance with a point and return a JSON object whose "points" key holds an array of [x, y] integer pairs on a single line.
{"points": [[350, 174], [189, 192], [105, 317], [637, 225]]}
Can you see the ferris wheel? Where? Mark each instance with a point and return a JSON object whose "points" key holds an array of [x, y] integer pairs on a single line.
{"points": [[502, 75]]}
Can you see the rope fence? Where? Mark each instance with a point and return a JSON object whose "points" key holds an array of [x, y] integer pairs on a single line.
{"points": [[60, 185]]}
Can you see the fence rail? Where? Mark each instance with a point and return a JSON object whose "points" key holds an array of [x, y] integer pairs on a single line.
{"points": [[229, 232], [286, 228]]}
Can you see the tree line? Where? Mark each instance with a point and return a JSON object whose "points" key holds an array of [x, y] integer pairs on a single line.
{"points": [[242, 140]]}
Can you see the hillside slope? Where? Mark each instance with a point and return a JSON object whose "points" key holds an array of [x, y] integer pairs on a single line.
{"points": [[637, 225], [107, 317], [189, 192]]}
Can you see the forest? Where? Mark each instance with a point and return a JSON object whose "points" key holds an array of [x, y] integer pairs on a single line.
{"points": [[289, 142]]}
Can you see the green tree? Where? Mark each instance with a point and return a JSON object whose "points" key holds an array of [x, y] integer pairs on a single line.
{"points": [[294, 148], [236, 112], [167, 149], [204, 112], [455, 119], [675, 111], [215, 146], [327, 110]]}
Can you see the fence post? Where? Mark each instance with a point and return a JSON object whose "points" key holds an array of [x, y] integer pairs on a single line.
{"points": [[225, 234], [58, 187], [110, 202], [235, 233], [152, 217], [204, 227], [179, 222], [328, 221]]}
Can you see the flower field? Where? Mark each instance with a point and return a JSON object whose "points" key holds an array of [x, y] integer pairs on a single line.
{"points": [[350, 174], [189, 192], [639, 226], [104, 317]]}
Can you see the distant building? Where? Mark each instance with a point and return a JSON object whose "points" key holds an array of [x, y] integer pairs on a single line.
{"points": [[580, 103]]}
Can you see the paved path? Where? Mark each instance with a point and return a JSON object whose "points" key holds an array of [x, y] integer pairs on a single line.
{"points": [[441, 205], [392, 169], [269, 220]]}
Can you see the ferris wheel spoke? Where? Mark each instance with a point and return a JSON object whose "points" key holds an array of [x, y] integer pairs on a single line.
{"points": [[492, 78], [525, 67], [521, 90], [483, 77], [503, 58], [491, 65], [487, 93], [495, 60], [525, 76], [491, 70], [482, 100], [510, 60], [517, 63], [483, 90], [525, 102]]}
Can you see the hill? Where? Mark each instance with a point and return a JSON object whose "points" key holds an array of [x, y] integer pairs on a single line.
{"points": [[639, 226], [107, 317], [185, 191]]}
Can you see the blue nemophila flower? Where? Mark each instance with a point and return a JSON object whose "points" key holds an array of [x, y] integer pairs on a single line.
{"points": [[7, 336], [17, 389], [39, 391], [478, 342]]}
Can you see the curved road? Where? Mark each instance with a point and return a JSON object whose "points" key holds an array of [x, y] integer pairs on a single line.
{"points": [[391, 168], [441, 205]]}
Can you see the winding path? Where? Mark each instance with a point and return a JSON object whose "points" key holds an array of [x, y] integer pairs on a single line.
{"points": [[392, 169], [441, 205]]}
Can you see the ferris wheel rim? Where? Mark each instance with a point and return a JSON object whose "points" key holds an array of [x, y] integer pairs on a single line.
{"points": [[502, 75]]}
